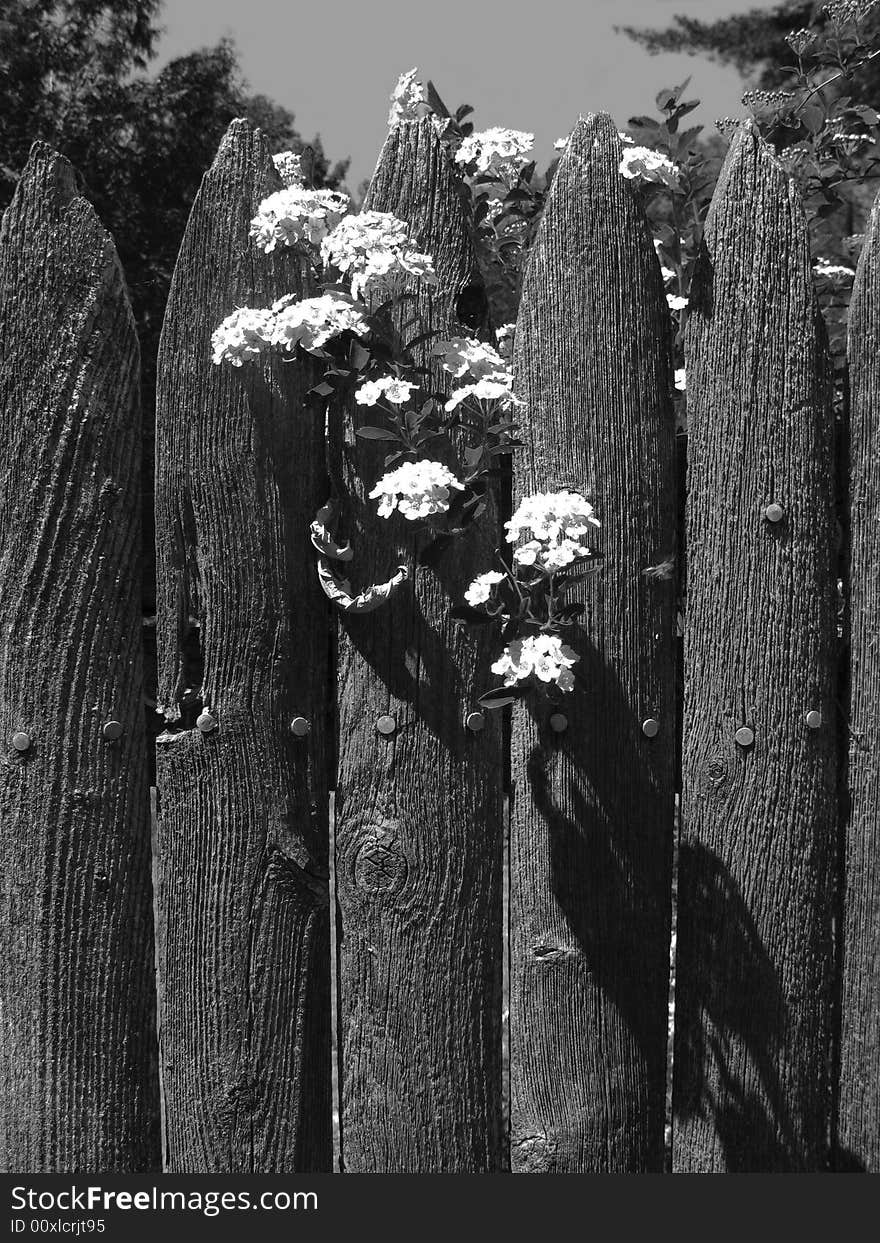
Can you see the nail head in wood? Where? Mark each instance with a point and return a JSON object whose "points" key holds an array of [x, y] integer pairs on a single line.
{"points": [[112, 730], [21, 741], [744, 736], [774, 512], [559, 722], [651, 727], [475, 721], [814, 719], [206, 722], [300, 726], [386, 725]]}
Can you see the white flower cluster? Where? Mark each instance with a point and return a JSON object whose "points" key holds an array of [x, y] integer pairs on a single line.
{"points": [[556, 521], [481, 588], [242, 336], [289, 167], [496, 151], [643, 164], [676, 301], [468, 356], [375, 251], [313, 321], [490, 376], [389, 386], [484, 390], [407, 99], [681, 379], [296, 216], [543, 656], [417, 489], [832, 271]]}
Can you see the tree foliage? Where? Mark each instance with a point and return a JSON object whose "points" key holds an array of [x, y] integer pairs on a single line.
{"points": [[71, 73]]}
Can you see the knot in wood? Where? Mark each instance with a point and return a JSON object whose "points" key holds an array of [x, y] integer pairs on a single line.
{"points": [[379, 864], [716, 772]]}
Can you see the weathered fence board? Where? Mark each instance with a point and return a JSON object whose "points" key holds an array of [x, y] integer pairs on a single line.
{"points": [[243, 630], [757, 856], [592, 808], [858, 1124], [418, 866], [77, 1034]]}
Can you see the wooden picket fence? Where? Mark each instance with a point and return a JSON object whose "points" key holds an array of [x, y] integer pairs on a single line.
{"points": [[769, 762]]}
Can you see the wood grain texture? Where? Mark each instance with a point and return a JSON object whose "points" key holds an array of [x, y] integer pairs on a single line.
{"points": [[419, 829], [858, 1125], [77, 1003], [757, 855], [592, 808], [242, 820]]}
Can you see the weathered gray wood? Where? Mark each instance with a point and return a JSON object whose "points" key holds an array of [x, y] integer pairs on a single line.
{"points": [[592, 808], [242, 816], [858, 1126], [418, 865], [77, 1086], [757, 856]]}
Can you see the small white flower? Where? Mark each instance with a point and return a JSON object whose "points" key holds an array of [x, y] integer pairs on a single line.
{"points": [[375, 251], [243, 336], [561, 143], [389, 386], [417, 489], [681, 379], [666, 273], [296, 216], [502, 152], [407, 99], [289, 167], [543, 656], [312, 322], [643, 164], [504, 336], [467, 356], [676, 302], [480, 589]]}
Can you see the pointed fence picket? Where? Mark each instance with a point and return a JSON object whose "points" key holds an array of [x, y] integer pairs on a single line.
{"points": [[419, 827], [593, 804], [759, 805], [77, 1067], [775, 1023], [858, 1121], [242, 894]]}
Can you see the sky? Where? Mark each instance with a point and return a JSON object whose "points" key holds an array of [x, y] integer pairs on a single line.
{"points": [[532, 66]]}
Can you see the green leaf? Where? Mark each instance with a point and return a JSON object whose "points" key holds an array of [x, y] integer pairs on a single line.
{"points": [[376, 433], [502, 696], [323, 389]]}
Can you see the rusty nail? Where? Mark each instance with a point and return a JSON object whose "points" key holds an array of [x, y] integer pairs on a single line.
{"points": [[475, 721], [559, 722], [206, 722], [386, 725], [651, 727], [745, 736], [300, 726], [814, 719], [774, 512], [21, 741], [112, 730]]}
